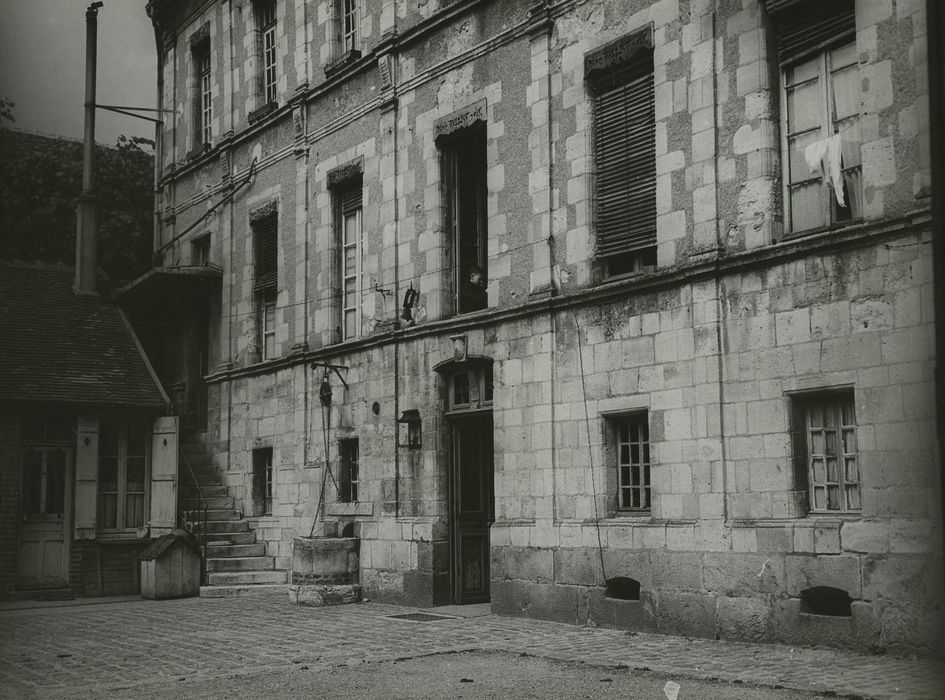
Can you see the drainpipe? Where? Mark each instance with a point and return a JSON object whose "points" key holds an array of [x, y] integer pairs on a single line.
{"points": [[86, 263], [158, 135]]}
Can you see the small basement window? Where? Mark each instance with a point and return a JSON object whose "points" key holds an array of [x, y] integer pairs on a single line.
{"points": [[825, 600], [623, 588]]}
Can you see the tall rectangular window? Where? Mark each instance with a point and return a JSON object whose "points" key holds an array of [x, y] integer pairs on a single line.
{"points": [[266, 315], [122, 474], [625, 158], [349, 207], [349, 475], [203, 98], [262, 481], [349, 13], [820, 115], [265, 246], [631, 436], [464, 165], [266, 17], [200, 250], [825, 451]]}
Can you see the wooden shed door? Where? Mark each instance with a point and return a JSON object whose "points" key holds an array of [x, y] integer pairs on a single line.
{"points": [[43, 553]]}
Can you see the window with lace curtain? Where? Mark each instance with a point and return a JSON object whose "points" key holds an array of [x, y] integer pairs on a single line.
{"points": [[122, 474], [820, 100]]}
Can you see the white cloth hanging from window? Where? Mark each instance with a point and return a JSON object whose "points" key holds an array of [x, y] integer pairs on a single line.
{"points": [[825, 156]]}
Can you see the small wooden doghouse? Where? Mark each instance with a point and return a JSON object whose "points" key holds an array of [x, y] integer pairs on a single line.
{"points": [[170, 567]]}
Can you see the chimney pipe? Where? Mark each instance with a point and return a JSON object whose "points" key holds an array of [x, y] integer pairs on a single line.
{"points": [[86, 245]]}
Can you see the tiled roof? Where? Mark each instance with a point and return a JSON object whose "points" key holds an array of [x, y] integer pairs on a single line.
{"points": [[57, 347]]}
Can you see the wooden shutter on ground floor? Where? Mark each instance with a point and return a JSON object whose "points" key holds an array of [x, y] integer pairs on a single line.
{"points": [[164, 476], [625, 158], [86, 477], [805, 26]]}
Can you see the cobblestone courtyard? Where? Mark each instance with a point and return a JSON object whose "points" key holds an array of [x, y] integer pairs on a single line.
{"points": [[53, 650]]}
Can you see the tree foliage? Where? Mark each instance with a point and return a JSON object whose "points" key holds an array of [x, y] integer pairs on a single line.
{"points": [[6, 109], [40, 183]]}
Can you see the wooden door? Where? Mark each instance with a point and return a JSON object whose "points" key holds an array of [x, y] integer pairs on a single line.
{"points": [[43, 552], [472, 507]]}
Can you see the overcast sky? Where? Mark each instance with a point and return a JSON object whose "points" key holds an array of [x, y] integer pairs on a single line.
{"points": [[42, 65]]}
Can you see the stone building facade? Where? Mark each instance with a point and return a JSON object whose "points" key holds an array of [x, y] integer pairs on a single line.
{"points": [[603, 347]]}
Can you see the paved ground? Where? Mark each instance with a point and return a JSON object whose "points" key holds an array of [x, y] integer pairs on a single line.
{"points": [[472, 674], [108, 649]]}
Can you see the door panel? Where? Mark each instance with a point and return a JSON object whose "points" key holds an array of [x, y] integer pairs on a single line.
{"points": [[472, 507], [42, 557]]}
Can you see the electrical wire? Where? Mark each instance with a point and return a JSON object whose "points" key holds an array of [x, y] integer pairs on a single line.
{"points": [[333, 295], [590, 452]]}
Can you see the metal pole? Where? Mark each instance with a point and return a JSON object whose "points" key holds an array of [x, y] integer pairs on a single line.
{"points": [[86, 263]]}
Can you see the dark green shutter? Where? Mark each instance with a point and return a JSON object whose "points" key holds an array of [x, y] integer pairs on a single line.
{"points": [[265, 238], [625, 157]]}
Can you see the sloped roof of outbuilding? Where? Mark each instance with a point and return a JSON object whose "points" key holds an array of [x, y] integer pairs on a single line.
{"points": [[57, 347]]}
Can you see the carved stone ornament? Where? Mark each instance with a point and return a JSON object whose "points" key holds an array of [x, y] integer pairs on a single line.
{"points": [[618, 53], [298, 120], [200, 37], [347, 171], [459, 347], [224, 165], [385, 66], [264, 212], [460, 119]]}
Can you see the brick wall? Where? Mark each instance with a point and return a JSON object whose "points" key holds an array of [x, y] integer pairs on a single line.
{"points": [[10, 474]]}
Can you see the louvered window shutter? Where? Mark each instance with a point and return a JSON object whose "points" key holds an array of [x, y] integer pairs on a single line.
{"points": [[86, 478], [350, 198], [805, 26], [625, 157], [265, 237]]}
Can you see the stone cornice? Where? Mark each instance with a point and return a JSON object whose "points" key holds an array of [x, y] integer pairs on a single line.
{"points": [[834, 241]]}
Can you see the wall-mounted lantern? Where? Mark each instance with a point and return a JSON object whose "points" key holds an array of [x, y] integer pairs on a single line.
{"points": [[408, 429]]}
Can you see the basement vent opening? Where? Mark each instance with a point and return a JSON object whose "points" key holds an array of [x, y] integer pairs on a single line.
{"points": [[825, 600], [421, 617], [623, 588]]}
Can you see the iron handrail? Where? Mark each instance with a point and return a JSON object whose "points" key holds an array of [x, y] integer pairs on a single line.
{"points": [[198, 531]]}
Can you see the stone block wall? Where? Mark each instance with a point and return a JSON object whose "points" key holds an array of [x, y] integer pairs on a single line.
{"points": [[717, 345]]}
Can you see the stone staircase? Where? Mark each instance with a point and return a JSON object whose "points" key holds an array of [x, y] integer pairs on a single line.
{"points": [[236, 563]]}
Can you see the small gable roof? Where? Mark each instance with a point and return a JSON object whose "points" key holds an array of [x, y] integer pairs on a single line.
{"points": [[57, 347]]}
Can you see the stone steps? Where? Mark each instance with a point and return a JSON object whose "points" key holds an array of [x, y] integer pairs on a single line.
{"points": [[209, 491], [238, 590], [220, 502], [229, 538], [226, 526], [223, 514], [261, 563], [244, 578], [218, 551], [236, 563]]}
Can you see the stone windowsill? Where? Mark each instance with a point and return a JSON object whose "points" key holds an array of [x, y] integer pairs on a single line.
{"points": [[359, 508], [258, 114]]}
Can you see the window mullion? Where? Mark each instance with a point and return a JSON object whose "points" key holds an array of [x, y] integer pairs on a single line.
{"points": [[827, 132]]}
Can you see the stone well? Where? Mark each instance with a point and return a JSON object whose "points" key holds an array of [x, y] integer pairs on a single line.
{"points": [[325, 571]]}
